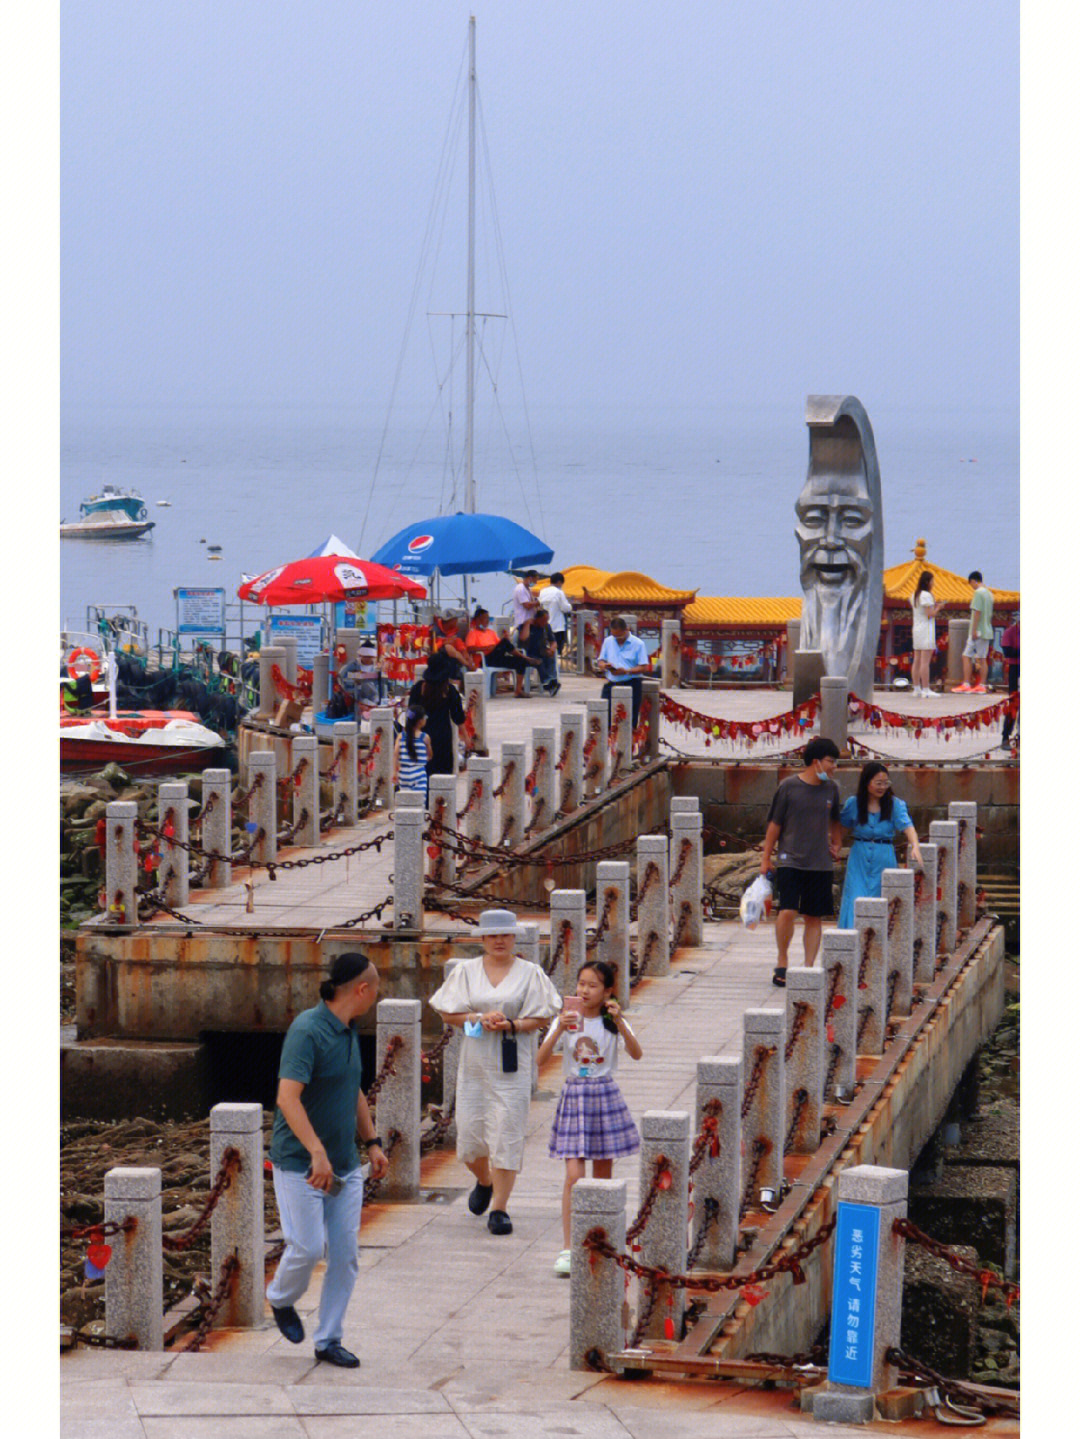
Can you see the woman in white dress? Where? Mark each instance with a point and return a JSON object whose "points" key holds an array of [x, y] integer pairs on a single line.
{"points": [[501, 1001], [923, 634]]}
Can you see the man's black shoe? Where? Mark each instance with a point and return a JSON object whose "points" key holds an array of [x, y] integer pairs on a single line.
{"points": [[480, 1198], [336, 1353], [499, 1222], [288, 1321]]}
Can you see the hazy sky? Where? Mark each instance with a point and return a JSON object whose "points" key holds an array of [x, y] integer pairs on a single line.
{"points": [[698, 202]]}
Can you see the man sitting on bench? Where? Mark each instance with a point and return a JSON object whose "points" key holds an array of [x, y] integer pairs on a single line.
{"points": [[498, 653]]}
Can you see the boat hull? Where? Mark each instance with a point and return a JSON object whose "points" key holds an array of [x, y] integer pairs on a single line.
{"points": [[134, 744], [106, 529]]}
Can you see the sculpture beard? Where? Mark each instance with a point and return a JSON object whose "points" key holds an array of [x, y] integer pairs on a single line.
{"points": [[835, 530]]}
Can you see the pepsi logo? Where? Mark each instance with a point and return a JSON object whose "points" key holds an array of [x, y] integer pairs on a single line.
{"points": [[419, 543]]}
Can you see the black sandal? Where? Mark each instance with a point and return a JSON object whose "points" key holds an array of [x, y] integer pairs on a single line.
{"points": [[779, 976]]}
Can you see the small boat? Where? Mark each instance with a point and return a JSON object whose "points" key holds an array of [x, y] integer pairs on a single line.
{"points": [[140, 741], [111, 498], [164, 504], [106, 525]]}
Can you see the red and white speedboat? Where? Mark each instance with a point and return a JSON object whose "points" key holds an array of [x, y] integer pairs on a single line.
{"points": [[140, 741]]}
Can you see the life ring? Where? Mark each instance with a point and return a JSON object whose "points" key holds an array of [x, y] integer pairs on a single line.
{"points": [[74, 669], [142, 514]]}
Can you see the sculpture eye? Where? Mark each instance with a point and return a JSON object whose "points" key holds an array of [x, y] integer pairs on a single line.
{"points": [[853, 519], [815, 516]]}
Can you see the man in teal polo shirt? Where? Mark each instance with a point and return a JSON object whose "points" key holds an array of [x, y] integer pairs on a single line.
{"points": [[318, 1182]]}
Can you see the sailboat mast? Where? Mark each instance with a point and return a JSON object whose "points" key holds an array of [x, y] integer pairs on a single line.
{"points": [[470, 317]]}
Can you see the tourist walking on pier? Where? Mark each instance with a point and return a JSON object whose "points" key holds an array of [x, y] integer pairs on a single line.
{"points": [[412, 753], [804, 830], [875, 816], [923, 634], [440, 699], [980, 633], [592, 1120], [525, 605], [318, 1182], [500, 1001], [1010, 648], [553, 599]]}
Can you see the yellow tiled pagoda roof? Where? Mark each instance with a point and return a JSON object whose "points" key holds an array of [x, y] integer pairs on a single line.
{"points": [[631, 587], [949, 588], [716, 610], [578, 578]]}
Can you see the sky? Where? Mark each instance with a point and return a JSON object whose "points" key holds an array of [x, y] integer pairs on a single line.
{"points": [[739, 202]]}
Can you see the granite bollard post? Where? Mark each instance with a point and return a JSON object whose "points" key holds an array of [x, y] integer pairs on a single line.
{"points": [[954, 664], [870, 1200], [442, 797], [670, 653], [944, 833], [807, 669], [269, 699], [898, 891], [262, 804], [621, 730], [804, 1058], [613, 898], [528, 933], [792, 629], [344, 770], [567, 937], [173, 824], [765, 1098], [236, 1225], [480, 812], [687, 875], [595, 748], [512, 788], [320, 682], [684, 804], [476, 683], [840, 962], [543, 795], [408, 867], [834, 710], [965, 814], [398, 1101], [216, 832], [924, 927], [596, 1290], [588, 641], [134, 1277], [665, 1135], [871, 925], [381, 757], [450, 1056], [290, 645], [305, 756], [653, 935], [718, 1178], [121, 862], [571, 769], [650, 718]]}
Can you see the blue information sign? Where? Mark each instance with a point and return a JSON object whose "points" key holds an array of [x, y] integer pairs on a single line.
{"points": [[854, 1296]]}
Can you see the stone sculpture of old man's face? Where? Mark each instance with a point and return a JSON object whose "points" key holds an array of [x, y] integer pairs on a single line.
{"points": [[840, 538]]}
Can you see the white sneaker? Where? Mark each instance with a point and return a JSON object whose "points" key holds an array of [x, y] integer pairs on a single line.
{"points": [[562, 1264]]}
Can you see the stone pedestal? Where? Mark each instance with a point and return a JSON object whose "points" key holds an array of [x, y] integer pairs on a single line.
{"points": [[269, 698], [924, 923], [665, 1134], [965, 814], [173, 824], [567, 937], [121, 862], [670, 653], [871, 926], [650, 718], [134, 1302], [380, 757], [954, 664], [588, 645], [236, 1225], [320, 682], [569, 779], [808, 668], [834, 710], [408, 868], [718, 1178], [397, 1105], [442, 796], [839, 961], [898, 891], [764, 1030], [792, 627], [215, 833], [476, 683], [480, 820], [595, 749], [596, 1289], [290, 645], [653, 938], [621, 731], [804, 1058], [687, 862], [512, 798], [305, 794], [613, 888], [262, 805], [344, 770], [543, 798], [945, 834]]}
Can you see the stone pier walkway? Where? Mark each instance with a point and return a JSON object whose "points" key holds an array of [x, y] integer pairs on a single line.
{"points": [[463, 1335]]}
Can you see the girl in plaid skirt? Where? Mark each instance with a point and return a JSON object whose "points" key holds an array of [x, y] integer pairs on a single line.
{"points": [[591, 1118]]}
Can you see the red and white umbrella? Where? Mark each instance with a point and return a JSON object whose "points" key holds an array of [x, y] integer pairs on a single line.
{"points": [[322, 578]]}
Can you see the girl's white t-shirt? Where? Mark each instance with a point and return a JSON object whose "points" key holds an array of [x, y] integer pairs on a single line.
{"points": [[589, 1052]]}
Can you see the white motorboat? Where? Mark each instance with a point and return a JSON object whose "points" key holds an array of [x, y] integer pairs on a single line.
{"points": [[105, 525]]}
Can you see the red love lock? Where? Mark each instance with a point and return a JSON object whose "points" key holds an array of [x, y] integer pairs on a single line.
{"points": [[669, 1327], [433, 851], [839, 1000], [168, 830], [664, 1182], [753, 1294], [99, 1255], [830, 1033]]}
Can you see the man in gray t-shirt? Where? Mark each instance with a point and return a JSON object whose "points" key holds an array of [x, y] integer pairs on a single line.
{"points": [[804, 831]]}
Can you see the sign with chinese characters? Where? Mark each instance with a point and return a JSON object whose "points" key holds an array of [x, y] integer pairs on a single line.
{"points": [[854, 1296], [200, 611], [305, 629]]}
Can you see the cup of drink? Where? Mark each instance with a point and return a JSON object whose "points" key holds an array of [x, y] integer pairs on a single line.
{"points": [[572, 1010]]}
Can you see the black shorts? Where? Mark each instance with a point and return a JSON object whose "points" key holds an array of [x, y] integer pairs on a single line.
{"points": [[809, 891], [560, 639]]}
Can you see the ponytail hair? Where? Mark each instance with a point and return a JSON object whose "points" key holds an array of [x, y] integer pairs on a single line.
{"points": [[606, 974], [413, 715]]}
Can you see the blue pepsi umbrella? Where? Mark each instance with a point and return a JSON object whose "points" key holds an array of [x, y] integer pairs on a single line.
{"points": [[462, 545]]}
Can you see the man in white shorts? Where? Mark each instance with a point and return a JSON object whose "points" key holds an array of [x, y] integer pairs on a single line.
{"points": [[980, 633]]}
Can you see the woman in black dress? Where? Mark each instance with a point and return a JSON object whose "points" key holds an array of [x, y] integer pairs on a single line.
{"points": [[436, 691]]}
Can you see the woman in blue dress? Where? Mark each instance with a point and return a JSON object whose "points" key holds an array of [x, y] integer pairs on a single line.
{"points": [[875, 816]]}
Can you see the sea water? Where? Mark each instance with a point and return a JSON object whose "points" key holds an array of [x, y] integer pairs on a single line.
{"points": [[696, 499]]}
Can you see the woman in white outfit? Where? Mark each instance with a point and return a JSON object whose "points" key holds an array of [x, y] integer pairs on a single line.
{"points": [[501, 1001], [923, 634]]}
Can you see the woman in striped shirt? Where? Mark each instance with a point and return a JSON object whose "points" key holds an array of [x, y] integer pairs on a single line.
{"points": [[412, 752]]}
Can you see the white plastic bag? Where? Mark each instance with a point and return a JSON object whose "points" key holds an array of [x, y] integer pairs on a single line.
{"points": [[755, 902]]}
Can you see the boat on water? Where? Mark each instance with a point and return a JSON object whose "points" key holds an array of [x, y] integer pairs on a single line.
{"points": [[106, 525], [127, 502], [140, 741]]}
